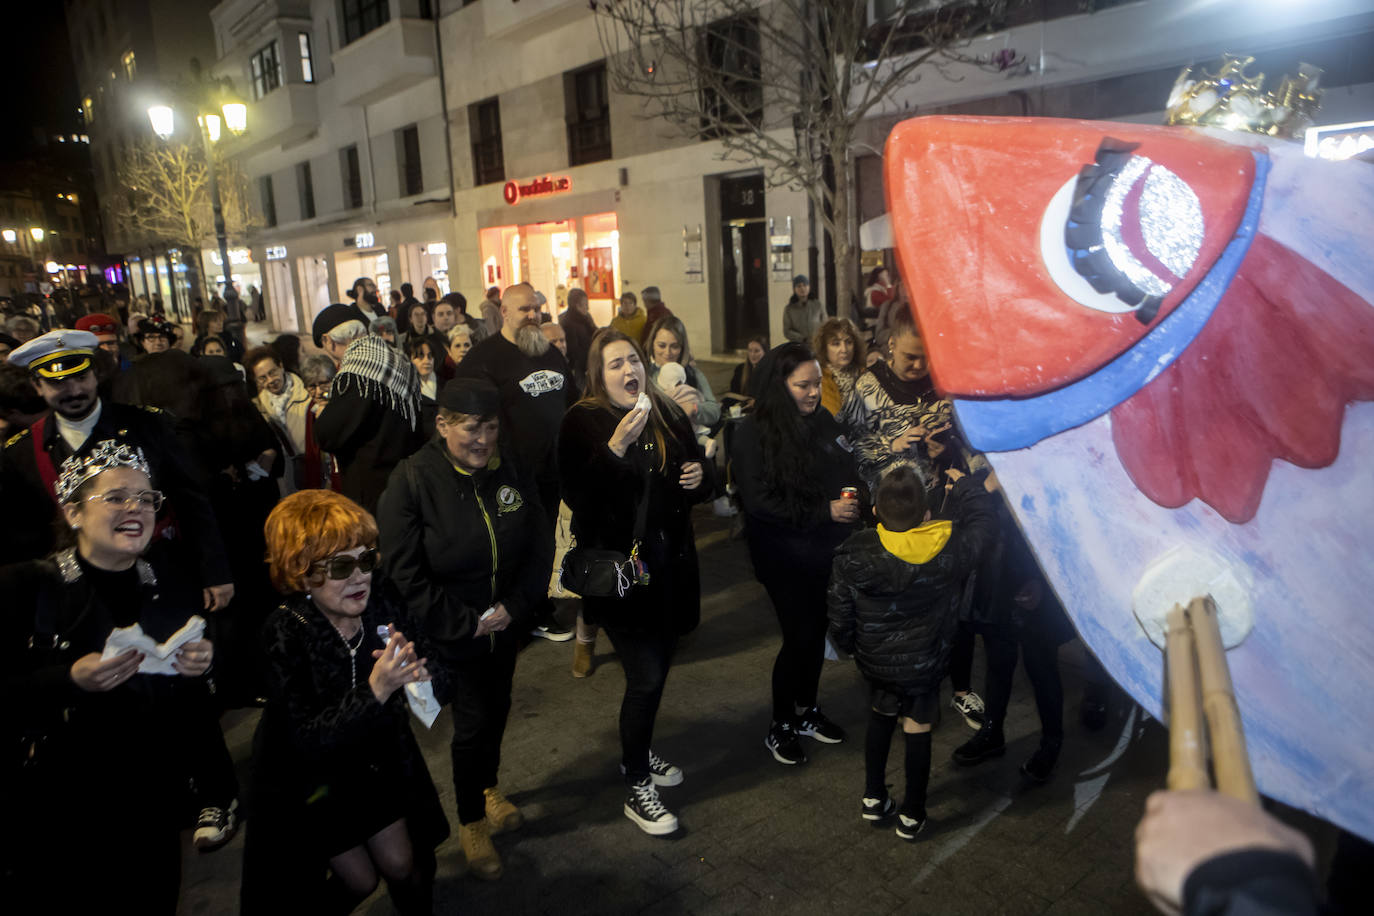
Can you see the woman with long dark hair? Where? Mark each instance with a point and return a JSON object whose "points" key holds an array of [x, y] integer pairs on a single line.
{"points": [[625, 443], [794, 474]]}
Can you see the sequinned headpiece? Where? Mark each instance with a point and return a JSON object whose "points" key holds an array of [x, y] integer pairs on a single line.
{"points": [[1231, 99], [108, 454]]}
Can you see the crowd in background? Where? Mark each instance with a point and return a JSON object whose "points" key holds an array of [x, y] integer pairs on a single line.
{"points": [[433, 485]]}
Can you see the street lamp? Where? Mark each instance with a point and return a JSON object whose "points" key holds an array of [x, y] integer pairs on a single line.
{"points": [[37, 233], [235, 117], [163, 120], [235, 113], [9, 235]]}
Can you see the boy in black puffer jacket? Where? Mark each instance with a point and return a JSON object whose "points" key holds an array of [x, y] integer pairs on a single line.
{"points": [[894, 603]]}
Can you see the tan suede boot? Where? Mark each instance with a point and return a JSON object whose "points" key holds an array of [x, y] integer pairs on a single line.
{"points": [[501, 814], [583, 658], [483, 862]]}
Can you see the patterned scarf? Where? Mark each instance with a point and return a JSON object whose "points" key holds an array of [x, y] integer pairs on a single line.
{"points": [[380, 373]]}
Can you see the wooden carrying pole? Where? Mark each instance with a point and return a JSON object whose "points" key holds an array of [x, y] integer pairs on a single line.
{"points": [[1187, 764], [1229, 759]]}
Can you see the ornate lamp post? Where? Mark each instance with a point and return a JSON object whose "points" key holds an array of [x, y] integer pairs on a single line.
{"points": [[208, 120]]}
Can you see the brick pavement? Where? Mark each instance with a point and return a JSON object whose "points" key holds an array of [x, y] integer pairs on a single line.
{"points": [[757, 837]]}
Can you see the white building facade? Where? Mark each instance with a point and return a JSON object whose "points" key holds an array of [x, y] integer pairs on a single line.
{"points": [[507, 157], [345, 146]]}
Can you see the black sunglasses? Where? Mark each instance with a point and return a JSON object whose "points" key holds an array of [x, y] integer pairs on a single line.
{"points": [[342, 567]]}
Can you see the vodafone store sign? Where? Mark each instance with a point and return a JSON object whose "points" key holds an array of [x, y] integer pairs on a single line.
{"points": [[514, 192]]}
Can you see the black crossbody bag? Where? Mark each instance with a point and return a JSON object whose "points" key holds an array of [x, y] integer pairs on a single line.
{"points": [[596, 573]]}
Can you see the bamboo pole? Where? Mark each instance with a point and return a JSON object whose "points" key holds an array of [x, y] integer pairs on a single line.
{"points": [[1229, 758], [1187, 765]]}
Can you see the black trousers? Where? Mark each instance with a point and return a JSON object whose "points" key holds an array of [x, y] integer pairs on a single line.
{"points": [[1042, 669], [646, 658], [961, 658], [480, 707], [798, 595]]}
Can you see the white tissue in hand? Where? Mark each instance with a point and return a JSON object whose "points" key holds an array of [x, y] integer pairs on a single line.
{"points": [[643, 402], [419, 695], [671, 375], [157, 658]]}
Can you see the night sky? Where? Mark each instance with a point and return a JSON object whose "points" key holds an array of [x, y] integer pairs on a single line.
{"points": [[42, 88]]}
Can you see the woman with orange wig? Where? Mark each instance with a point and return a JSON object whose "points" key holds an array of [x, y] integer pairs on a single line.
{"points": [[340, 777]]}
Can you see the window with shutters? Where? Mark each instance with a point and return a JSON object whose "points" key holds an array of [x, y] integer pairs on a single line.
{"points": [[408, 160], [732, 76], [306, 187], [269, 200], [266, 70], [352, 176], [307, 61], [488, 160], [362, 16], [588, 111]]}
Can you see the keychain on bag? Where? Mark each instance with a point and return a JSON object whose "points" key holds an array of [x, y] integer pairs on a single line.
{"points": [[641, 572]]}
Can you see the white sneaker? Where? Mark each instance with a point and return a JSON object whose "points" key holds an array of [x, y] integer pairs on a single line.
{"points": [[722, 507], [661, 771], [215, 827], [647, 811]]}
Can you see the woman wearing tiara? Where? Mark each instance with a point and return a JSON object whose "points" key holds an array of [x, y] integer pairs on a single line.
{"points": [[103, 732]]}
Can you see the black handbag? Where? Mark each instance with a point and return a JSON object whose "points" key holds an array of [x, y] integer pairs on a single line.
{"points": [[599, 573]]}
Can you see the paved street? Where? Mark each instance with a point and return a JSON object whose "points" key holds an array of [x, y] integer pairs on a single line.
{"points": [[758, 837]]}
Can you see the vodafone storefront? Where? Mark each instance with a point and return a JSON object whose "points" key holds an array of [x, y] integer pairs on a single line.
{"points": [[555, 240]]}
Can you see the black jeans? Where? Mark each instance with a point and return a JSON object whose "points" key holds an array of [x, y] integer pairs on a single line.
{"points": [[646, 658], [961, 658], [481, 704], [1042, 669], [798, 596]]}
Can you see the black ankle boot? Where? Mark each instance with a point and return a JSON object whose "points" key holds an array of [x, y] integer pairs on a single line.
{"points": [[985, 745], [1041, 764]]}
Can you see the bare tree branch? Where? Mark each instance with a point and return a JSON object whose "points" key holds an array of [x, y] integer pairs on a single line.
{"points": [[784, 84]]}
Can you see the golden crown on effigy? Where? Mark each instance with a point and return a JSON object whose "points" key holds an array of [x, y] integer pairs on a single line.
{"points": [[1232, 100]]}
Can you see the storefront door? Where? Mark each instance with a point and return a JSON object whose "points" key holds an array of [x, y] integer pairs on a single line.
{"points": [[314, 275], [280, 295], [744, 259]]}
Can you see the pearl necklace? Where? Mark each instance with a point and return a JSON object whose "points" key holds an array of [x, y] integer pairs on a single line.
{"points": [[352, 653]]}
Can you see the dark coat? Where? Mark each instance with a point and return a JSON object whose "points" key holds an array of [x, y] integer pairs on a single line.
{"points": [[580, 330], [132, 741], [773, 534], [323, 741], [1008, 566], [175, 473], [603, 491], [368, 439], [899, 618], [457, 542]]}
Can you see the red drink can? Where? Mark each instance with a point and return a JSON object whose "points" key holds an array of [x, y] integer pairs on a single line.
{"points": [[849, 493]]}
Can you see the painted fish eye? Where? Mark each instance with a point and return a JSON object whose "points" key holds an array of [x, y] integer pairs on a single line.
{"points": [[1120, 235]]}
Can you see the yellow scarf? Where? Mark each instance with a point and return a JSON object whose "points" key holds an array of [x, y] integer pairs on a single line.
{"points": [[917, 545]]}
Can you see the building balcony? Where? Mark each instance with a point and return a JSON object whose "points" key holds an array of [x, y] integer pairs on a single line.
{"points": [[530, 17], [286, 115], [385, 61]]}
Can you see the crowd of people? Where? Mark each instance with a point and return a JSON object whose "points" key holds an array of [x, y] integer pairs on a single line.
{"points": [[432, 488]]}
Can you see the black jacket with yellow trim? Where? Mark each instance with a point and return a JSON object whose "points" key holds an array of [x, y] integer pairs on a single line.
{"points": [[457, 542], [898, 615]]}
